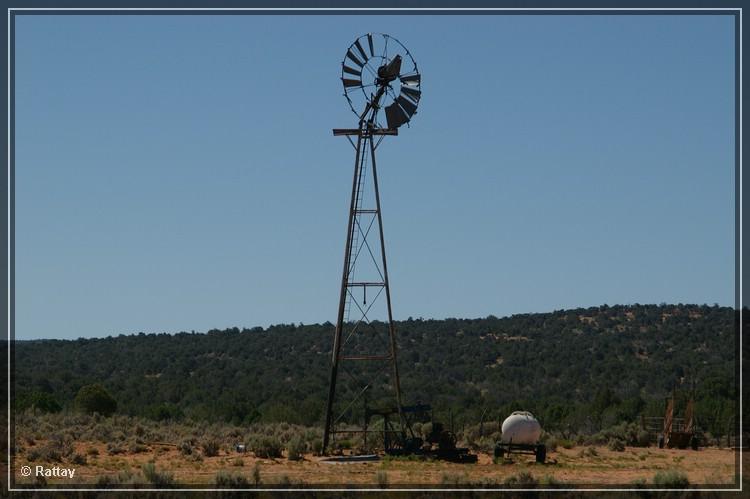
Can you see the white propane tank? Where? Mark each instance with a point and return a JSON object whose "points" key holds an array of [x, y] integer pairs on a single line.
{"points": [[521, 427]]}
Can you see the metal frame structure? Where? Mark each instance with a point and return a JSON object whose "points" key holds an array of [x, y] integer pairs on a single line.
{"points": [[368, 71], [356, 242]]}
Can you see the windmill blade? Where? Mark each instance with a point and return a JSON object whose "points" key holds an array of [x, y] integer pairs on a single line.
{"points": [[395, 116], [351, 83], [361, 51], [352, 71], [411, 79], [411, 93], [369, 42], [353, 57], [408, 106]]}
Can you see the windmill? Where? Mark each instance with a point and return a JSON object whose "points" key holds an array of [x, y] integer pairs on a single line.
{"points": [[378, 73]]}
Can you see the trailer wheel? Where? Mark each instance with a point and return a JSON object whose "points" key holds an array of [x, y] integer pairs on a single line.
{"points": [[660, 441], [499, 451], [694, 442], [541, 453]]}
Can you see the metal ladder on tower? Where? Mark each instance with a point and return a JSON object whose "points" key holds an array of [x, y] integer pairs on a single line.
{"points": [[355, 249]]}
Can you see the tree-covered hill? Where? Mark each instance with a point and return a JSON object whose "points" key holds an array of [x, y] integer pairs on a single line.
{"points": [[576, 369]]}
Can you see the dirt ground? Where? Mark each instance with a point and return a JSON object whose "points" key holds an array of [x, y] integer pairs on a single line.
{"points": [[579, 466]]}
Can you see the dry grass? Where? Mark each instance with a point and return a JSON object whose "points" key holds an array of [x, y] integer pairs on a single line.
{"points": [[125, 451], [567, 467]]}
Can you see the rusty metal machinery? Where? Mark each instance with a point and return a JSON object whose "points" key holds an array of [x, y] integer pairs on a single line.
{"points": [[438, 443], [678, 432], [378, 73], [672, 431]]}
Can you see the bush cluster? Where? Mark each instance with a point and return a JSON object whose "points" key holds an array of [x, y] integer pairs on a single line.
{"points": [[295, 448], [671, 478], [231, 480], [267, 447], [159, 479], [522, 479], [210, 447], [616, 444]]}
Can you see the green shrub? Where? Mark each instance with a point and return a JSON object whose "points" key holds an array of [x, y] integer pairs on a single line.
{"points": [[78, 459], [671, 479], [231, 480], [639, 483], [628, 433], [50, 453], [487, 482], [38, 401], [163, 412], [485, 444], [136, 448], [317, 446], [210, 447], [551, 443], [106, 481], [62, 443], [157, 478], [381, 478], [33, 455], [588, 452], [615, 444], [452, 479], [126, 476], [186, 447], [598, 439], [552, 481], [295, 448], [256, 474], [267, 447], [340, 445], [644, 439], [522, 479], [95, 399], [113, 449]]}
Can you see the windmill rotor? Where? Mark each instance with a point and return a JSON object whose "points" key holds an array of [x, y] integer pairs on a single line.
{"points": [[379, 72]]}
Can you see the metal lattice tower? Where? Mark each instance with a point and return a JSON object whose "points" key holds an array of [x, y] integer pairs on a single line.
{"points": [[364, 367]]}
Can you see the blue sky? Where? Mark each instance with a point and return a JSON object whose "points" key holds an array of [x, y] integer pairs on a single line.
{"points": [[179, 173]]}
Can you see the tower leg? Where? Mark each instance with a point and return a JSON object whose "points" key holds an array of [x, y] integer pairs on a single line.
{"points": [[342, 297], [391, 329]]}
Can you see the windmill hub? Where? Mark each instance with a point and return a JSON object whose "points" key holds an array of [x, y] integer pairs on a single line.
{"points": [[389, 72]]}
